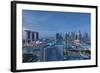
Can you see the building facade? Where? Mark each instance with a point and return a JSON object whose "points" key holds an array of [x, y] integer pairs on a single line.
{"points": [[31, 36]]}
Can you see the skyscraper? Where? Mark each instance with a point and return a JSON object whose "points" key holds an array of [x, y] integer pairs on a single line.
{"points": [[80, 36], [35, 36], [31, 36], [59, 38], [28, 36]]}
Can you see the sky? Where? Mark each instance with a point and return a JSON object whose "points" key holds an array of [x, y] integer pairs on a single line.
{"points": [[48, 23]]}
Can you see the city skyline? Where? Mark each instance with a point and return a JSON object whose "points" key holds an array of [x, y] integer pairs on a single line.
{"points": [[49, 23]]}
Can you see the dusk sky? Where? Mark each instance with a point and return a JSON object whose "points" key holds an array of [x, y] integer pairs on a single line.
{"points": [[48, 23]]}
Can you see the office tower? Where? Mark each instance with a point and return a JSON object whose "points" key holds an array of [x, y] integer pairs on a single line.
{"points": [[66, 40], [66, 37], [59, 38], [86, 38], [73, 35], [80, 36], [76, 35]]}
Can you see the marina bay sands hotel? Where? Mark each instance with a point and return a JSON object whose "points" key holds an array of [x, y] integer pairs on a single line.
{"points": [[31, 36]]}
